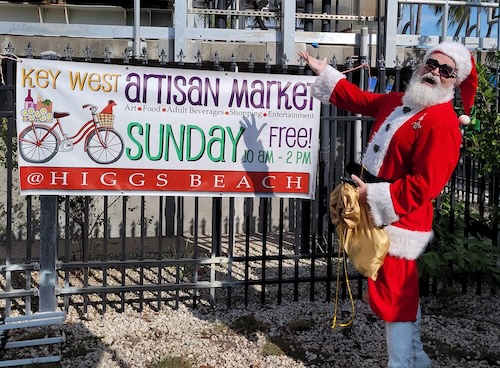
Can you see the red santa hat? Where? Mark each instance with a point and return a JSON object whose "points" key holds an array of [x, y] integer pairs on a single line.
{"points": [[465, 67]]}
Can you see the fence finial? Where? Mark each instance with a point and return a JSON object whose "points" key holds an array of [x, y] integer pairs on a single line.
{"points": [[144, 55], [251, 62], [163, 57], [88, 53], [412, 63], [29, 50], [333, 62], [381, 62], [302, 64], [234, 66], [181, 57], [284, 63], [199, 59], [268, 60], [349, 62], [107, 54], [397, 62], [10, 49], [216, 59], [127, 54], [69, 53]]}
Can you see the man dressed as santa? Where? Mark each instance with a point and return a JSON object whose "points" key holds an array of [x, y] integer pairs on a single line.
{"points": [[414, 148]]}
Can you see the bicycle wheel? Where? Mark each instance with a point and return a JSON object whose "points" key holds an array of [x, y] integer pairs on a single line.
{"points": [[104, 146], [38, 144]]}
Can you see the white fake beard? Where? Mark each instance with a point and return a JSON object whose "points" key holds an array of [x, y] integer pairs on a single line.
{"points": [[421, 94]]}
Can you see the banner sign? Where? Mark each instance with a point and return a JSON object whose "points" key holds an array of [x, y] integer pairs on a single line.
{"points": [[86, 128]]}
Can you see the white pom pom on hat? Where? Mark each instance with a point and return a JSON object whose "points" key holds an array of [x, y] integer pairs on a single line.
{"points": [[465, 66], [464, 119]]}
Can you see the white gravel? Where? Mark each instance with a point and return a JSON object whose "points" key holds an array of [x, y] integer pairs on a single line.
{"points": [[457, 330]]}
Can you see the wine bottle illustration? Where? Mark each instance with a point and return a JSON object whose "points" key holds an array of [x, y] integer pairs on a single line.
{"points": [[28, 103]]}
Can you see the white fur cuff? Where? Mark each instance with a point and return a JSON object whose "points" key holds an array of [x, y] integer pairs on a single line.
{"points": [[407, 244], [324, 84], [379, 199]]}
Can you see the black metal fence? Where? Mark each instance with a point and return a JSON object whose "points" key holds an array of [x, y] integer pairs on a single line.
{"points": [[202, 250]]}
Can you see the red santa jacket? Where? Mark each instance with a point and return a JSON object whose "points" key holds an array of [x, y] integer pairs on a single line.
{"points": [[414, 148]]}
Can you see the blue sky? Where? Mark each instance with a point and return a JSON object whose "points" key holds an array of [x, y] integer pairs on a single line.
{"points": [[429, 21]]}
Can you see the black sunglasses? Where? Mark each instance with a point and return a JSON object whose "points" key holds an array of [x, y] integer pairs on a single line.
{"points": [[445, 70]]}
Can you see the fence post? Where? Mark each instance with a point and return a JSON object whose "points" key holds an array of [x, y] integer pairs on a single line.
{"points": [[8, 94], [391, 32], [48, 253], [364, 57]]}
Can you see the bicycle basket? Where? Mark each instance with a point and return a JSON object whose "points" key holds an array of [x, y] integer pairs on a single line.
{"points": [[106, 120]]}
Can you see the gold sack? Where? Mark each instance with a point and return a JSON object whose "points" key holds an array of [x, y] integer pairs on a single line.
{"points": [[365, 244]]}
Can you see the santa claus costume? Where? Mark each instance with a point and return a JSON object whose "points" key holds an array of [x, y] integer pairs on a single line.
{"points": [[414, 148]]}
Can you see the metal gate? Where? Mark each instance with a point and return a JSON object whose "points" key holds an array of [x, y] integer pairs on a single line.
{"points": [[109, 252], [113, 251]]}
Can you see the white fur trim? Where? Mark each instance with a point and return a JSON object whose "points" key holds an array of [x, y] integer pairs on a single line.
{"points": [[406, 243], [460, 55], [378, 196], [324, 84], [373, 160]]}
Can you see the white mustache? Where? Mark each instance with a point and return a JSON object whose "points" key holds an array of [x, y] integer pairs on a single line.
{"points": [[431, 76]]}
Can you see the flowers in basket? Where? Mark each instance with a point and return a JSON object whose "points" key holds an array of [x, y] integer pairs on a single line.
{"points": [[39, 112]]}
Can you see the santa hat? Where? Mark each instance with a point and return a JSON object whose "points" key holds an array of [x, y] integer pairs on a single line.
{"points": [[465, 67]]}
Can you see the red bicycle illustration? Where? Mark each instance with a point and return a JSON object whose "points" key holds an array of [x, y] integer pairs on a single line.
{"points": [[40, 142]]}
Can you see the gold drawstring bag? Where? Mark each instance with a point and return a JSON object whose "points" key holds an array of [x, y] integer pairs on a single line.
{"points": [[365, 244]]}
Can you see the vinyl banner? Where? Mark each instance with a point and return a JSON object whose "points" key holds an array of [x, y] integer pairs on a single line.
{"points": [[86, 128]]}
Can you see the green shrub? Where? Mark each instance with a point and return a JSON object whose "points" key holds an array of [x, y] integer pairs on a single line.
{"points": [[453, 253]]}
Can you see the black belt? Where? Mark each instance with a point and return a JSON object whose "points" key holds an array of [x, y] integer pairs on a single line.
{"points": [[363, 174]]}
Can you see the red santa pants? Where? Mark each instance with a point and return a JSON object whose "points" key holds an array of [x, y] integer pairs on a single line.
{"points": [[394, 295]]}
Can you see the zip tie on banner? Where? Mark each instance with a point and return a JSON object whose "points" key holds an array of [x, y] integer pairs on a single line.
{"points": [[7, 57], [11, 57], [365, 64], [370, 79]]}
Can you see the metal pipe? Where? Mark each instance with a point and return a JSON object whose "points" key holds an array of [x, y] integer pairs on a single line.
{"points": [[326, 8], [390, 33], [498, 66], [444, 22], [308, 9], [137, 29], [358, 149], [325, 148], [478, 23], [48, 253], [220, 19], [498, 35], [380, 32], [412, 20], [9, 80]]}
